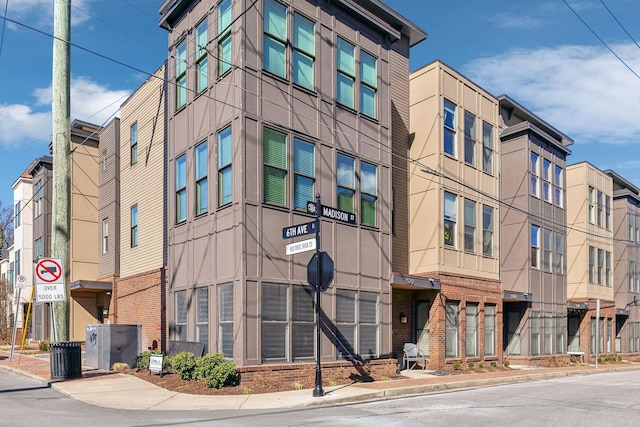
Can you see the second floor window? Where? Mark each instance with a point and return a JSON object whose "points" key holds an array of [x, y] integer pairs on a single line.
{"points": [[304, 167], [133, 139], [607, 212], [535, 246], [202, 61], [450, 219], [546, 262], [181, 189], [346, 183], [546, 180], [225, 171], [487, 231], [558, 185], [469, 225], [368, 193], [181, 74], [559, 256], [134, 226], [592, 264], [275, 166], [105, 235], [17, 209], [599, 208], [202, 181], [592, 205]]}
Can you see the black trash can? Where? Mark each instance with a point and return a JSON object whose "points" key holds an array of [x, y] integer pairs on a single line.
{"points": [[66, 360]]}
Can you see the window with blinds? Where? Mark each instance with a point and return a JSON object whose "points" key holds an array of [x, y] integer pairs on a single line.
{"points": [[368, 324], [225, 320], [302, 323], [274, 322], [202, 317], [181, 315], [225, 171], [275, 166], [346, 322], [304, 167]]}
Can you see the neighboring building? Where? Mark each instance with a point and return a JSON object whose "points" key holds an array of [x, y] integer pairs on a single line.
{"points": [[109, 214], [42, 173], [451, 302], [268, 106], [533, 236], [22, 243], [139, 227], [626, 262], [590, 248], [88, 296]]}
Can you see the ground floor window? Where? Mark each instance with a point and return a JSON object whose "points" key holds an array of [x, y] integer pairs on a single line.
{"points": [[181, 315], [535, 333], [489, 329], [357, 320], [202, 317], [225, 320], [573, 331], [560, 325], [452, 324], [471, 329]]}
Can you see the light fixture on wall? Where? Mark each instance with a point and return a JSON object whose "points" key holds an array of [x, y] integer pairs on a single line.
{"points": [[403, 318]]}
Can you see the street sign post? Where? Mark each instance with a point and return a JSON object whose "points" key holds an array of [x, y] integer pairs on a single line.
{"points": [[21, 282]]}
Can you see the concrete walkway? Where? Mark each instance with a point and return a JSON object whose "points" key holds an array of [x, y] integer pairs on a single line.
{"points": [[122, 391]]}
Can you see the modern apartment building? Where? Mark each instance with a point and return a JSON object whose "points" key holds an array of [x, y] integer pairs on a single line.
{"points": [[450, 303], [271, 103], [140, 293], [590, 247], [626, 264], [534, 233]]}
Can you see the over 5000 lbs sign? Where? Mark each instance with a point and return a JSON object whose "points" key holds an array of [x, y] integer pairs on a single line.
{"points": [[50, 293]]}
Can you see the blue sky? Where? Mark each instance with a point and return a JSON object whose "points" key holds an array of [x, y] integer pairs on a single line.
{"points": [[536, 51]]}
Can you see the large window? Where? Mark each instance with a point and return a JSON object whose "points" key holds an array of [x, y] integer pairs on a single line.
{"points": [[181, 74], [449, 143], [225, 59], [452, 325], [134, 226], [487, 147], [559, 256], [133, 139], [471, 335], [181, 316], [288, 322], [346, 322], [357, 319], [368, 324], [304, 169], [489, 329], [607, 268], [599, 208], [346, 183], [105, 235], [547, 242], [546, 180], [548, 333], [534, 170], [304, 51], [202, 181], [450, 219], [560, 326], [607, 212], [225, 172], [368, 84], [202, 317], [469, 138], [535, 246], [368, 193], [225, 320], [202, 61], [558, 186], [535, 333], [487, 231], [275, 38], [600, 267], [275, 166], [181, 188], [346, 76], [469, 225]]}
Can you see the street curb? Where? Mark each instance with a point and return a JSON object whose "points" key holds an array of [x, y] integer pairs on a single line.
{"points": [[25, 374]]}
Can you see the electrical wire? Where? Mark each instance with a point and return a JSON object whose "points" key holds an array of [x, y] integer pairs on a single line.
{"points": [[4, 25], [619, 23]]}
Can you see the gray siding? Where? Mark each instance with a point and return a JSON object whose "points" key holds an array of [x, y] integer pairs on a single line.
{"points": [[109, 199]]}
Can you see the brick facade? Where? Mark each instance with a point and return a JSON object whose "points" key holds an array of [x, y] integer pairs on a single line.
{"points": [[141, 300]]}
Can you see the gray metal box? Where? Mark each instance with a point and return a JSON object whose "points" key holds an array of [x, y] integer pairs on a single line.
{"points": [[109, 344]]}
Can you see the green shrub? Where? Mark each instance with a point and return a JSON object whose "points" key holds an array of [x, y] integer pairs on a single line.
{"points": [[144, 358], [481, 365], [214, 371], [184, 364], [619, 358], [494, 364], [456, 365], [44, 346], [471, 365], [506, 363]]}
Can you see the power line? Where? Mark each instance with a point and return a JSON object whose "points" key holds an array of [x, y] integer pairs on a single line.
{"points": [[601, 41], [4, 25], [619, 23]]}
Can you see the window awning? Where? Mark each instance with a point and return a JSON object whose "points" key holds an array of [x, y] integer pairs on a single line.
{"points": [[411, 282], [516, 296], [577, 305]]}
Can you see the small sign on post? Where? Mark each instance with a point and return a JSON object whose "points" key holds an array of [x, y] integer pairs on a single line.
{"points": [[155, 363]]}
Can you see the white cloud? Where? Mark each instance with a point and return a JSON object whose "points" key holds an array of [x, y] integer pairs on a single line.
{"points": [[510, 20], [90, 102], [42, 10], [583, 91]]}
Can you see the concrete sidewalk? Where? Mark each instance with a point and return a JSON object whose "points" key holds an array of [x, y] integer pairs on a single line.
{"points": [[122, 391]]}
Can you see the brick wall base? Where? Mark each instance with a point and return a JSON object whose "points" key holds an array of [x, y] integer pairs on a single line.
{"points": [[304, 373]]}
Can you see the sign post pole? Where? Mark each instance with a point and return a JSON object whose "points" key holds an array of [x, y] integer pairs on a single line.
{"points": [[318, 391]]}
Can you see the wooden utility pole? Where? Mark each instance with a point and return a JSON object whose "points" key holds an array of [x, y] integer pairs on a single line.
{"points": [[60, 224]]}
